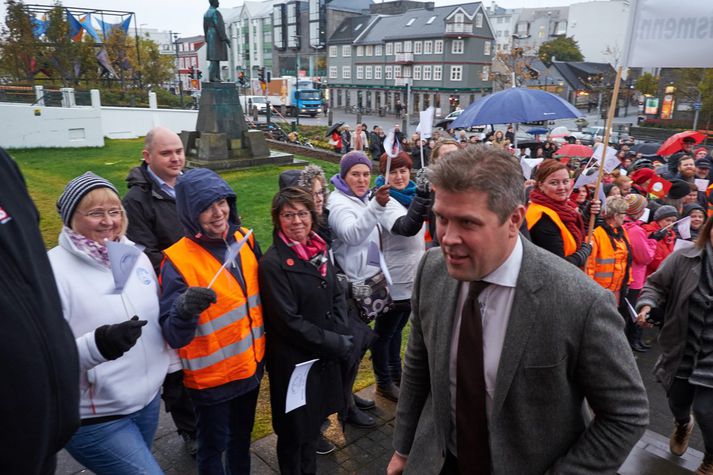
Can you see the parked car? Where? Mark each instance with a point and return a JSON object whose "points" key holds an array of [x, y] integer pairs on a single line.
{"points": [[248, 102], [589, 134]]}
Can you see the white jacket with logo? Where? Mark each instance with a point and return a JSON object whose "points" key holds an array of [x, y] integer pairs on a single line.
{"points": [[130, 382]]}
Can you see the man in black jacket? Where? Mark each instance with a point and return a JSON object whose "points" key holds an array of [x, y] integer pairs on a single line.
{"points": [[150, 206], [38, 354]]}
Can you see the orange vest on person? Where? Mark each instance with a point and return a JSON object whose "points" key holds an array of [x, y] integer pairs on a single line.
{"points": [[607, 264], [533, 215], [230, 335], [709, 200]]}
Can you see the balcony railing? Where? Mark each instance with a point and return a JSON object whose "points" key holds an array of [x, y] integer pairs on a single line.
{"points": [[404, 58], [459, 28]]}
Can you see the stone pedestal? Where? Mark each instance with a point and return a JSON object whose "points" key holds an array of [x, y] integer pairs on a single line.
{"points": [[222, 140]]}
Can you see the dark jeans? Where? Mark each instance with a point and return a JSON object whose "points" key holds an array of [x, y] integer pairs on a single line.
{"points": [[386, 350], [225, 428], [633, 331], [178, 403], [297, 458], [682, 397]]}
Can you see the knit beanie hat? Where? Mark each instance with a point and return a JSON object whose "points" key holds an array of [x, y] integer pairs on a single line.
{"points": [[691, 207], [76, 189], [679, 189], [636, 204], [642, 175], [665, 211], [350, 159]]}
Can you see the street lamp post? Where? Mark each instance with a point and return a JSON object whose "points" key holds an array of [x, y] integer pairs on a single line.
{"points": [[178, 67]]}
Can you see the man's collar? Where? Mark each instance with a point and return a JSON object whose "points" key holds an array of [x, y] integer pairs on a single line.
{"points": [[506, 275]]}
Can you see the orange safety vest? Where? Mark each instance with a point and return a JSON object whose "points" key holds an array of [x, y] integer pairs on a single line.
{"points": [[709, 200], [533, 215], [607, 264], [230, 335]]}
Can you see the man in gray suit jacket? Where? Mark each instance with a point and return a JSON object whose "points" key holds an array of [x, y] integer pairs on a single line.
{"points": [[550, 338]]}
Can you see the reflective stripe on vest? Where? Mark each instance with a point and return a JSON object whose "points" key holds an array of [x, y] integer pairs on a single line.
{"points": [[607, 265], [229, 341], [534, 214]]}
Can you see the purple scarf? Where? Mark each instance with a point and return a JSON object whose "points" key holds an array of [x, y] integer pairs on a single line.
{"points": [[342, 186], [91, 248]]}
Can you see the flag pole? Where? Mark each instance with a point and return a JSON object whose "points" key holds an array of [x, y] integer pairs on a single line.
{"points": [[610, 119], [421, 152]]}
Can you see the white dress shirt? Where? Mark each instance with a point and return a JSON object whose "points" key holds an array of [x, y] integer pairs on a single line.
{"points": [[495, 306]]}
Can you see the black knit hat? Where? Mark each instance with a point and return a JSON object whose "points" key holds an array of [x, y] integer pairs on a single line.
{"points": [[77, 189], [679, 189]]}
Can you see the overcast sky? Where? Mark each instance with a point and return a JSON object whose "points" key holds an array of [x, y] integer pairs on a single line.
{"points": [[184, 16]]}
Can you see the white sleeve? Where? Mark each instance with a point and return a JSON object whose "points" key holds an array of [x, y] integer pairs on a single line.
{"points": [[89, 355], [354, 225]]}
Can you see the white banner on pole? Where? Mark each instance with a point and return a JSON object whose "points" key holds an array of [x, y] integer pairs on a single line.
{"points": [[425, 125], [670, 35]]}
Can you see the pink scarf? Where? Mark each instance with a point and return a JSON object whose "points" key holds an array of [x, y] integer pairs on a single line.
{"points": [[313, 251], [89, 247]]}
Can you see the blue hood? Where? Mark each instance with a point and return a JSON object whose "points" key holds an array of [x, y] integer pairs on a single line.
{"points": [[196, 190]]}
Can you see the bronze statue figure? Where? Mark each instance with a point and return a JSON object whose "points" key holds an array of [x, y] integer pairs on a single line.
{"points": [[216, 40]]}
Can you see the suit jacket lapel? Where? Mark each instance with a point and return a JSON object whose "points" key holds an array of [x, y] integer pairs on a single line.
{"points": [[522, 316]]}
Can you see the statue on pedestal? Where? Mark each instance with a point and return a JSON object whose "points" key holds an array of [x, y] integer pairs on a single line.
{"points": [[216, 40]]}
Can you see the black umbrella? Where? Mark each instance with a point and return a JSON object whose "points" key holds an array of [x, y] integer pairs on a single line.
{"points": [[646, 148], [334, 127]]}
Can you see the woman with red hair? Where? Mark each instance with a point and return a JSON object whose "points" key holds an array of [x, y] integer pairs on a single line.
{"points": [[553, 218]]}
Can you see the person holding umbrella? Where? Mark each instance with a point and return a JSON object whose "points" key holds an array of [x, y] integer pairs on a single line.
{"points": [[677, 146], [335, 137]]}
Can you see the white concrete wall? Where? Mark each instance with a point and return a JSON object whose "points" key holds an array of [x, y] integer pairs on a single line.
{"points": [[132, 122], [597, 26], [53, 127]]}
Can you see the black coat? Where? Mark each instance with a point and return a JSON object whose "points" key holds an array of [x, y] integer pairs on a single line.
{"points": [[38, 354], [153, 221], [304, 315]]}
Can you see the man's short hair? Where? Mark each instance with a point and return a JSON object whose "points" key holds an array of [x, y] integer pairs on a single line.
{"points": [[489, 170]]}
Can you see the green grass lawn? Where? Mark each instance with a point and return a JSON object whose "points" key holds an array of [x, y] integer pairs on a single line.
{"points": [[47, 171]]}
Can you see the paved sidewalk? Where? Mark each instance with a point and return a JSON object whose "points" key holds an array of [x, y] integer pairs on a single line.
{"points": [[367, 451]]}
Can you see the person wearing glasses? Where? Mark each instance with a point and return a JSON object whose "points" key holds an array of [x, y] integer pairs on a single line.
{"points": [[123, 357], [305, 319], [311, 179]]}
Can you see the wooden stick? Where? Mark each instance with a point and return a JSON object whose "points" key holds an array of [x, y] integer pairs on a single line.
{"points": [[610, 119]]}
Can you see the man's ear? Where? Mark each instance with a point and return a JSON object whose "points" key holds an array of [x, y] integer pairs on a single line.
{"points": [[517, 217]]}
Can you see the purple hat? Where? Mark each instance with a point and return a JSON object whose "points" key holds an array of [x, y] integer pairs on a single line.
{"points": [[350, 159]]}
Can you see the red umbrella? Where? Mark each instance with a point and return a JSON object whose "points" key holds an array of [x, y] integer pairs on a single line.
{"points": [[674, 143], [575, 150]]}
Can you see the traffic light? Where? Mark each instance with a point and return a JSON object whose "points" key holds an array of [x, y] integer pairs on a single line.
{"points": [[268, 76], [199, 74], [192, 73], [261, 74]]}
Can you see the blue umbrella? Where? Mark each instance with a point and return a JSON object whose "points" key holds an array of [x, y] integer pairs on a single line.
{"points": [[515, 105], [538, 131]]}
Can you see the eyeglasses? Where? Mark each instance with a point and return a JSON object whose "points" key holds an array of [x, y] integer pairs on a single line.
{"points": [[321, 192], [300, 214], [99, 214]]}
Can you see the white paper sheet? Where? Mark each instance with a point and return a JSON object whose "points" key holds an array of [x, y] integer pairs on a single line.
{"points": [[632, 312], [702, 184], [681, 244], [645, 217], [122, 257], [297, 388]]}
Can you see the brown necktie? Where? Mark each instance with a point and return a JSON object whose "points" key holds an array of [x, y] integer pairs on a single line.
{"points": [[471, 419]]}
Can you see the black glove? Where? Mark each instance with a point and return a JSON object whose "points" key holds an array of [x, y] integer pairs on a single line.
{"points": [[658, 235], [115, 340], [346, 344], [193, 301], [423, 186]]}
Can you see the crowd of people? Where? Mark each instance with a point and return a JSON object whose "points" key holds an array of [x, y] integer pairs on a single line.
{"points": [[463, 248]]}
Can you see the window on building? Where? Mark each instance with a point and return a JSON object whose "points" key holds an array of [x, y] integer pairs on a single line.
{"points": [[486, 48], [410, 22], [428, 47], [377, 72], [541, 33], [406, 72], [408, 47], [332, 51], [438, 47], [427, 72], [368, 72], [369, 50], [358, 27], [457, 47], [332, 72], [479, 20], [437, 72], [378, 50], [360, 72], [388, 72], [360, 51], [456, 73], [346, 51], [523, 28], [485, 76], [561, 28], [417, 73], [389, 49], [431, 20], [417, 47], [397, 47], [397, 71], [459, 18], [346, 72], [293, 38], [315, 39]]}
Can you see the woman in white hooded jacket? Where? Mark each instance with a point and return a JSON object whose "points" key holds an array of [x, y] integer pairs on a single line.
{"points": [[123, 357]]}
